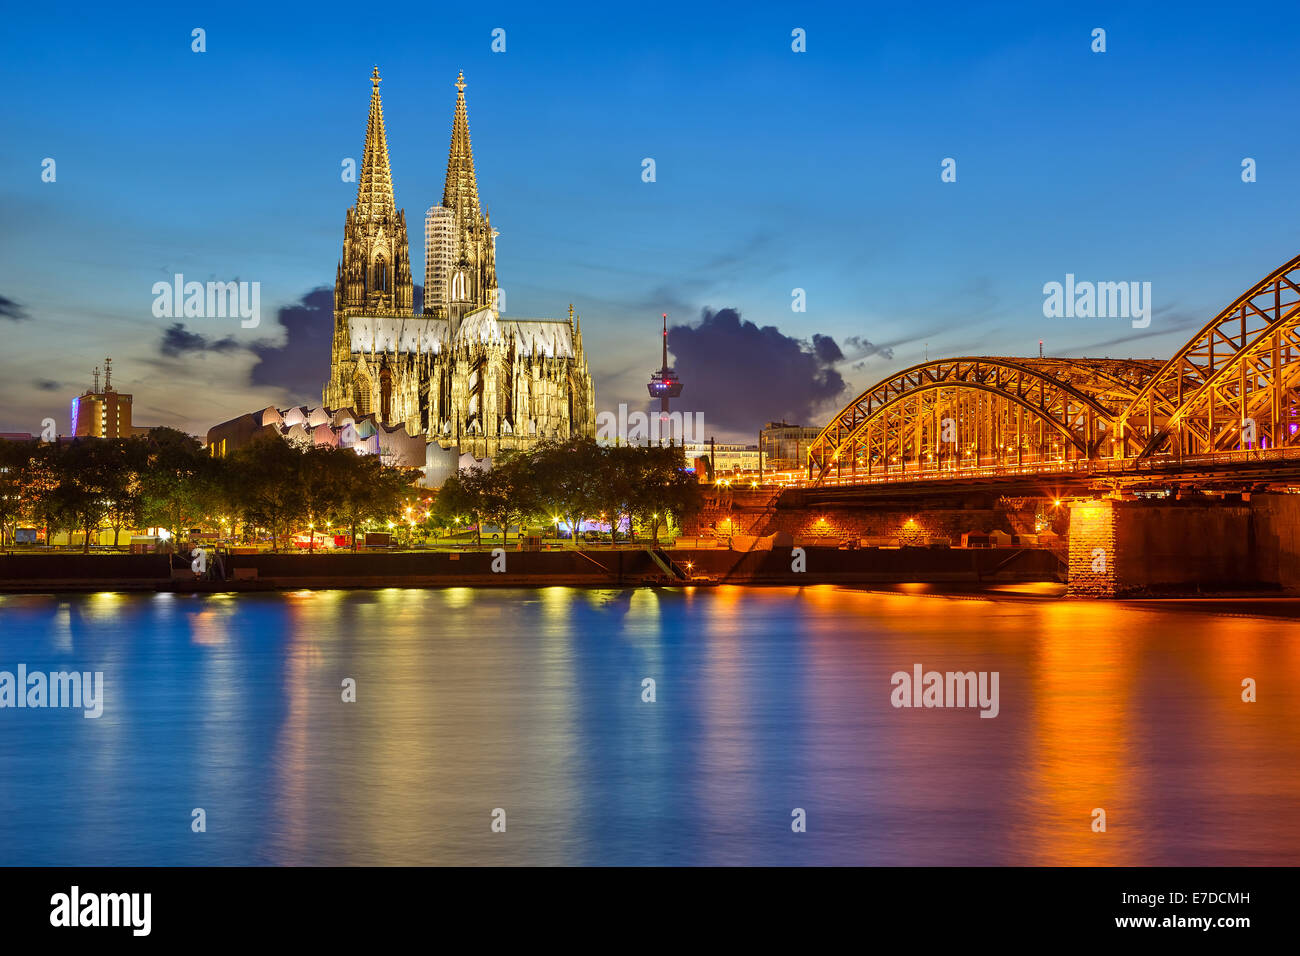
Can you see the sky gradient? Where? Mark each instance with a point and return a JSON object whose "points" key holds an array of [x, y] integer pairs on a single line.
{"points": [[775, 170]]}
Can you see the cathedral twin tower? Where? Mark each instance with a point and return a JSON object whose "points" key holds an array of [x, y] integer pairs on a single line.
{"points": [[460, 373]]}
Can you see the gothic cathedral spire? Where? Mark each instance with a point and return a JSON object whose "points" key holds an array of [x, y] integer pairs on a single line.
{"points": [[375, 190], [473, 280], [460, 191], [374, 276]]}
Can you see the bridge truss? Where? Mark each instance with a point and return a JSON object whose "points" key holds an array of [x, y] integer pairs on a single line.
{"points": [[1234, 388]]}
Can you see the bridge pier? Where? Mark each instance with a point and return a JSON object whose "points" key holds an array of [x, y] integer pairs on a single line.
{"points": [[1092, 560], [1198, 543]]}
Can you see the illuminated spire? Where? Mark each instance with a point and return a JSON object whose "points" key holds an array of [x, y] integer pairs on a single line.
{"points": [[461, 189], [375, 189]]}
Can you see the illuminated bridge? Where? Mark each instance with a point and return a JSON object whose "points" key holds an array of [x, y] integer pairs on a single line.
{"points": [[1226, 403]]}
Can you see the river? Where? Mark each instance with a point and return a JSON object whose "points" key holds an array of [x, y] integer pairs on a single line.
{"points": [[528, 708]]}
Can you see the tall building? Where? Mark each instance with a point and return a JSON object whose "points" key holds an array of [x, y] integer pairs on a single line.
{"points": [[461, 374], [106, 413]]}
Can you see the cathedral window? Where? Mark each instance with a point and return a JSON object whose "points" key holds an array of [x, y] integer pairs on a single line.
{"points": [[381, 276]]}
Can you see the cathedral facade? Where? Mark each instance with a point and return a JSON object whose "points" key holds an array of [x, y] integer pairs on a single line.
{"points": [[460, 373]]}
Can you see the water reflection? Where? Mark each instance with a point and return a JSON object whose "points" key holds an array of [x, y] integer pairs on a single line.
{"points": [[531, 701]]}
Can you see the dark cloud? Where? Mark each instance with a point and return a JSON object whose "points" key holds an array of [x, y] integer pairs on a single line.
{"points": [[301, 364], [741, 376], [859, 348], [826, 350], [45, 385], [178, 340], [11, 310]]}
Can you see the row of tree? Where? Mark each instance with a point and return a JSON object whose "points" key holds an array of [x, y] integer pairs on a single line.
{"points": [[574, 481], [168, 480]]}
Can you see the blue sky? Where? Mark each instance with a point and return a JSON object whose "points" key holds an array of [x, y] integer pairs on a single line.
{"points": [[775, 170]]}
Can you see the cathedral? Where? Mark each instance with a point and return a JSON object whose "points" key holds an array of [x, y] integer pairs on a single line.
{"points": [[460, 373]]}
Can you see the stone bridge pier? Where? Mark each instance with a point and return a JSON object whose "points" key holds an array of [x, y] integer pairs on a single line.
{"points": [[1195, 543]]}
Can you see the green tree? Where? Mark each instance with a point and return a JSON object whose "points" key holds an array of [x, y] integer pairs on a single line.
{"points": [[179, 484], [265, 484], [125, 494], [508, 494], [464, 494], [39, 497], [570, 475], [370, 491], [324, 476], [15, 472], [662, 489], [86, 470], [618, 476]]}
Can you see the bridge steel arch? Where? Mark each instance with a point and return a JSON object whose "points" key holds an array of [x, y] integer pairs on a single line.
{"points": [[1234, 387], [976, 411]]}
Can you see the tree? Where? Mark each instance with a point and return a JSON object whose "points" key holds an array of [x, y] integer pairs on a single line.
{"points": [[569, 479], [370, 490], [507, 493], [617, 486], [124, 507], [39, 497], [463, 494], [264, 482], [661, 487], [86, 476], [325, 473], [179, 482], [15, 471]]}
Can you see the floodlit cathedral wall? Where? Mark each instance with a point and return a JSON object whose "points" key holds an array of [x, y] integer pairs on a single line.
{"points": [[460, 374]]}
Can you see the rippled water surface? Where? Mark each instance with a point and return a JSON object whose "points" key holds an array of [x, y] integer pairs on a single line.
{"points": [[531, 701]]}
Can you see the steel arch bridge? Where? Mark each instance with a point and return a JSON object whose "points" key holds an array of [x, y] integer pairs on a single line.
{"points": [[1233, 389]]}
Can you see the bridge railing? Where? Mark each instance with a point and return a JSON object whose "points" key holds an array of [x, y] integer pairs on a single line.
{"points": [[1101, 466]]}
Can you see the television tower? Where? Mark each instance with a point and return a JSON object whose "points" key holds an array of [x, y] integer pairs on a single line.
{"points": [[663, 383]]}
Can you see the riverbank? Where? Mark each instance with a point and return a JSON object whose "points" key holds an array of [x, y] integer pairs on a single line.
{"points": [[35, 573]]}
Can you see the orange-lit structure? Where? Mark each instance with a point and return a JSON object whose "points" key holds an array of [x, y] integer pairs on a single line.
{"points": [[1232, 390]]}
